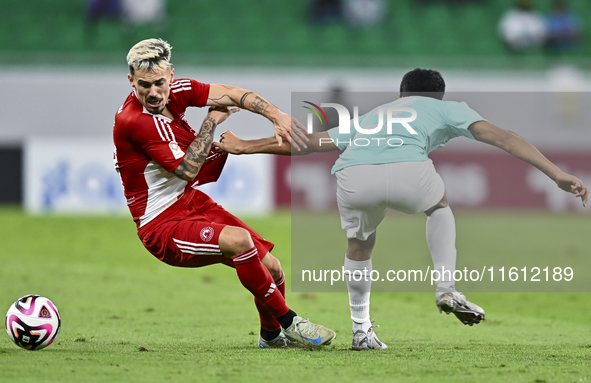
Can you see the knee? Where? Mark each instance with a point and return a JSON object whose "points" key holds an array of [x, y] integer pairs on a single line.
{"points": [[361, 250], [274, 267], [235, 240]]}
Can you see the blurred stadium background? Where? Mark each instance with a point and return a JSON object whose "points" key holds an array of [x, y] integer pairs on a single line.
{"points": [[63, 75]]}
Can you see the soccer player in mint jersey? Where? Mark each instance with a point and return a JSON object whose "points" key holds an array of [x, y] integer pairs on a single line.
{"points": [[163, 161], [377, 176]]}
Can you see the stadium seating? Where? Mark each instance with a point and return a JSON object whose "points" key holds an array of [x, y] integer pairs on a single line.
{"points": [[269, 31]]}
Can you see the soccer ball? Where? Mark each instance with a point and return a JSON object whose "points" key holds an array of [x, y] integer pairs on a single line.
{"points": [[33, 322]]}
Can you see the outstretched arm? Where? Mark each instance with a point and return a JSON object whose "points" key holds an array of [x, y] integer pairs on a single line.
{"points": [[513, 144], [199, 149], [285, 126], [231, 143]]}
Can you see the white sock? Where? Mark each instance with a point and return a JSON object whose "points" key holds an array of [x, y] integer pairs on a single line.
{"points": [[441, 238], [359, 291]]}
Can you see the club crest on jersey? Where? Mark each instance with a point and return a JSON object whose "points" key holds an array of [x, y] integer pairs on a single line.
{"points": [[206, 234], [176, 150]]}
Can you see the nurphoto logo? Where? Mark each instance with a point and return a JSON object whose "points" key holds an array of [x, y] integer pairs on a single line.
{"points": [[392, 116]]}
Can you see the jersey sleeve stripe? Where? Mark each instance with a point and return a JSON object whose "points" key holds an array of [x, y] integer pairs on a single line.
{"points": [[181, 83], [180, 89], [156, 122], [167, 125], [164, 129], [162, 126], [177, 86]]}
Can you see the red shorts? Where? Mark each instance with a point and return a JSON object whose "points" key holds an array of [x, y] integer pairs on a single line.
{"points": [[187, 233]]}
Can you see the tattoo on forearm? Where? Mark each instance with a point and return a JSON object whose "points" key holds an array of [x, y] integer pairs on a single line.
{"points": [[197, 152], [244, 99], [259, 105]]}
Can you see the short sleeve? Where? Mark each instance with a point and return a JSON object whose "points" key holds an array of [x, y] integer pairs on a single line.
{"points": [[191, 92], [155, 136], [342, 140], [458, 117]]}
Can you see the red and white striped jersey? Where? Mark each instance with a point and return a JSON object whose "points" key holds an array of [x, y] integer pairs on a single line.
{"points": [[149, 147]]}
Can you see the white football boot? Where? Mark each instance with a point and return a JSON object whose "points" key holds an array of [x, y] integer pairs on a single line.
{"points": [[309, 334], [367, 340], [456, 303]]}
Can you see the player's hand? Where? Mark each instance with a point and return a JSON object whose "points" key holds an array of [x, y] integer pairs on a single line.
{"points": [[572, 184], [299, 133], [230, 143], [289, 128], [221, 113]]}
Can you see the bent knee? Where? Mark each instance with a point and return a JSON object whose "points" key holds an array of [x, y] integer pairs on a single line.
{"points": [[359, 250], [273, 265], [235, 240]]}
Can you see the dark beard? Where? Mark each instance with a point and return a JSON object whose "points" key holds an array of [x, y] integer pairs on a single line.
{"points": [[158, 110]]}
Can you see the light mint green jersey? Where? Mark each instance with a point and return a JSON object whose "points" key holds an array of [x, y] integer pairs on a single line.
{"points": [[435, 123]]}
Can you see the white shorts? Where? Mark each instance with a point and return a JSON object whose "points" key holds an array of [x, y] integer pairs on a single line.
{"points": [[365, 191]]}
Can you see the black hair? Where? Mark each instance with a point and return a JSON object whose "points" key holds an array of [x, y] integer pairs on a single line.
{"points": [[423, 82]]}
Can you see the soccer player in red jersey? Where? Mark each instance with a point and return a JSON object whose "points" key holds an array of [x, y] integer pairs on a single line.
{"points": [[162, 161]]}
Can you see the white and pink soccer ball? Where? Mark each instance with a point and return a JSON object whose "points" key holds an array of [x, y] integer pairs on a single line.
{"points": [[33, 322]]}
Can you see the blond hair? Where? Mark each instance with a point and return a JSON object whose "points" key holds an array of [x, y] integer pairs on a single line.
{"points": [[150, 55]]}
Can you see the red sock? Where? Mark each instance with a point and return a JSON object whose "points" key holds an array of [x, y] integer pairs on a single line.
{"points": [[281, 284], [257, 279], [267, 321]]}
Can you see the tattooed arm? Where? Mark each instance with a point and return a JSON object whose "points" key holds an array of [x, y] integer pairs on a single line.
{"points": [[199, 149], [226, 95]]}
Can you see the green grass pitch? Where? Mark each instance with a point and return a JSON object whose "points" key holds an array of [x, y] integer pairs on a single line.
{"points": [[128, 318]]}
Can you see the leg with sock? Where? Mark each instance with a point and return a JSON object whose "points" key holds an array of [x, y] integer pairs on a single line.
{"points": [[358, 267], [236, 243], [441, 238], [271, 335], [359, 292], [270, 328], [257, 279]]}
